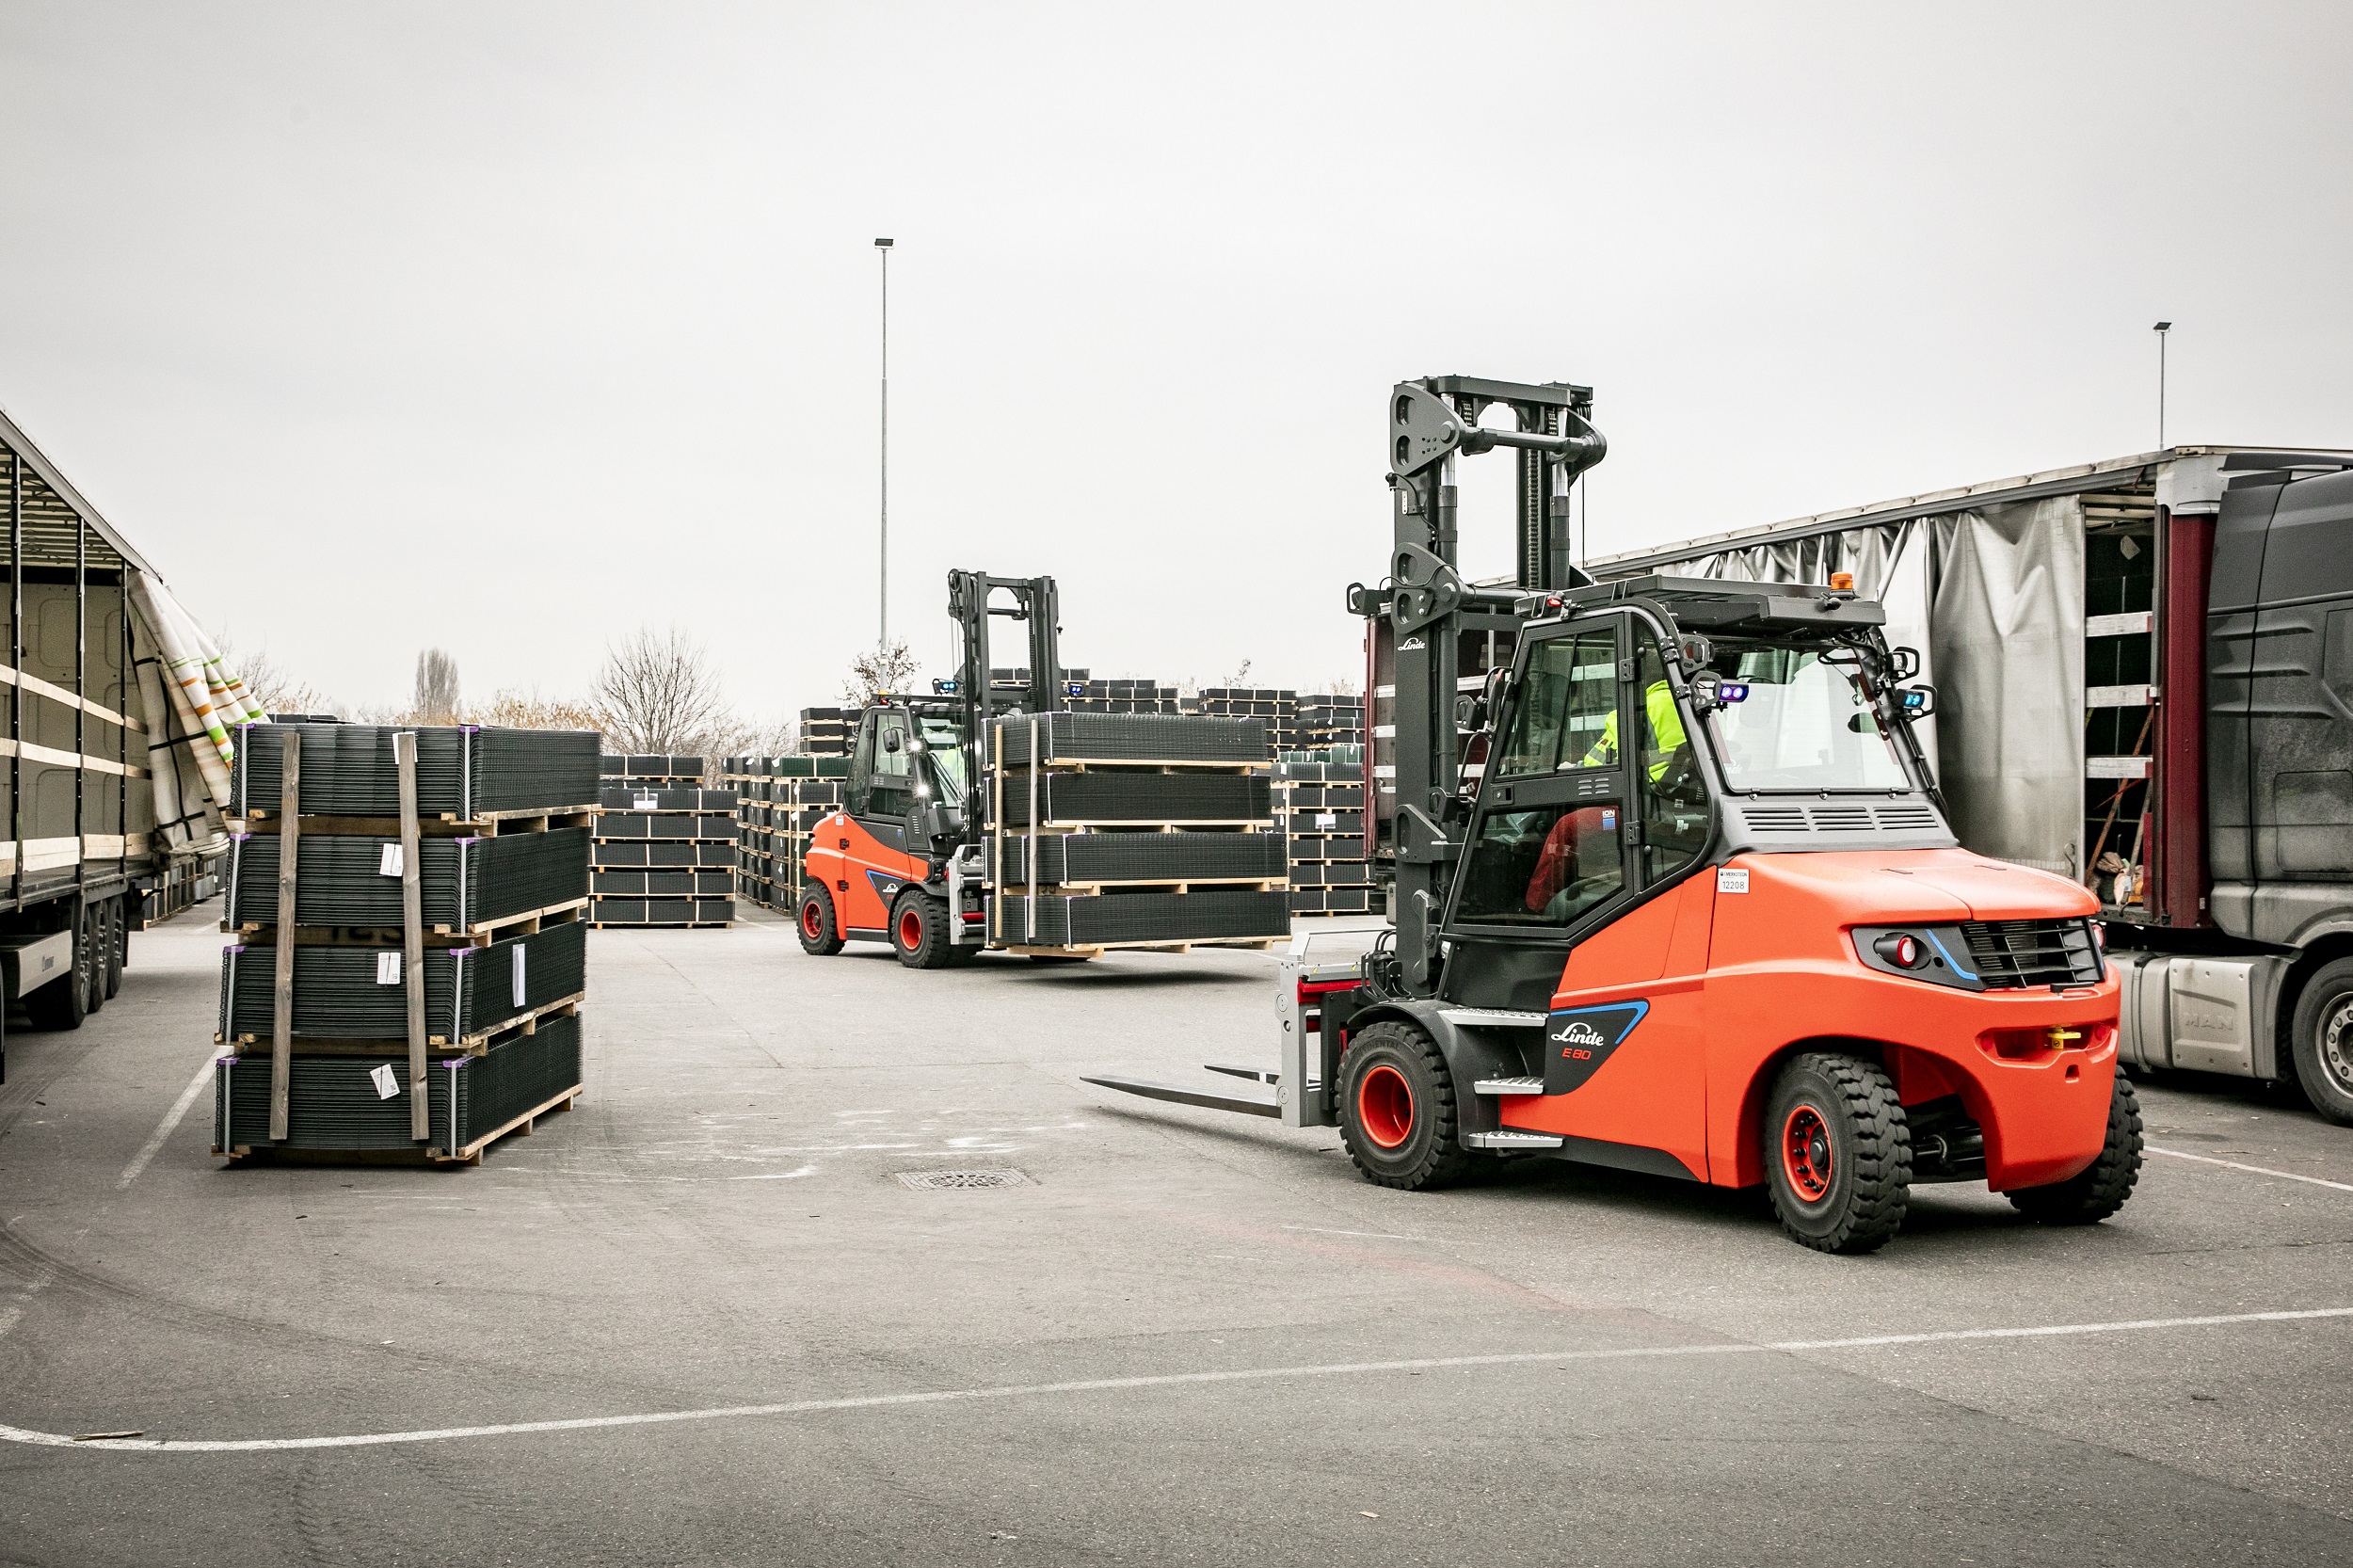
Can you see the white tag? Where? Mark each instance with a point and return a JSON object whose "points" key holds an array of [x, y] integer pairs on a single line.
{"points": [[388, 863], [388, 968], [1732, 879], [648, 802], [386, 1084], [519, 987], [1327, 820]]}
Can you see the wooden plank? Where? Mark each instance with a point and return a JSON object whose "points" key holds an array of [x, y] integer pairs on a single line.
{"points": [[412, 931], [281, 991], [472, 1153]]}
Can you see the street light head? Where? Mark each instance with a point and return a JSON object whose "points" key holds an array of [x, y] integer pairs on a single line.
{"points": [[883, 244], [2161, 326]]}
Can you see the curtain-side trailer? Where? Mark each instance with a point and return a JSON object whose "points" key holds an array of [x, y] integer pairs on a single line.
{"points": [[97, 842], [2144, 680]]}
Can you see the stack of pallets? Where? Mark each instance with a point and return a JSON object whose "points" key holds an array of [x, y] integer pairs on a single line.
{"points": [[1126, 695], [778, 800], [828, 732], [1111, 830], [666, 845], [1321, 796], [410, 954], [1276, 707], [1330, 719]]}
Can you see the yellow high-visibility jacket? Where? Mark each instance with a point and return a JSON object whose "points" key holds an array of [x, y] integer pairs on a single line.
{"points": [[1666, 731]]}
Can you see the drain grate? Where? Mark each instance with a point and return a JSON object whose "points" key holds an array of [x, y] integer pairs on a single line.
{"points": [[945, 1181]]}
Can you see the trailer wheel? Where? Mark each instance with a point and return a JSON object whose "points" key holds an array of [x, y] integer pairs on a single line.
{"points": [[1837, 1153], [2321, 1041], [90, 956], [64, 1003], [919, 932], [1398, 1111], [819, 934], [116, 938], [2102, 1186]]}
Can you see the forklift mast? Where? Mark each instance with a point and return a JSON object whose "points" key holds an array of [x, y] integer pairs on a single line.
{"points": [[1428, 612], [972, 600]]}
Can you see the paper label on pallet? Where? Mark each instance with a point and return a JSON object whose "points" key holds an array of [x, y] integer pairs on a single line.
{"points": [[648, 802], [519, 949], [1732, 879], [388, 863], [1327, 821], [388, 968], [386, 1084]]}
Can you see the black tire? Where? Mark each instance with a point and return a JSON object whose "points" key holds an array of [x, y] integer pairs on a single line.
{"points": [[1837, 1153], [2321, 1041], [115, 936], [918, 931], [2104, 1185], [90, 955], [813, 917], [1399, 1117], [64, 1003]]}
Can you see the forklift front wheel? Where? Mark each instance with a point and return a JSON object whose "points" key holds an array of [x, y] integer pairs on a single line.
{"points": [[820, 936], [2102, 1186], [1837, 1153], [1397, 1112], [919, 933]]}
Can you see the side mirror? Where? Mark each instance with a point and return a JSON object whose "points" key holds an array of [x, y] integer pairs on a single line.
{"points": [[890, 740]]}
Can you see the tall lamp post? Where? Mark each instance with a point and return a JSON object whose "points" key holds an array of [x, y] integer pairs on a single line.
{"points": [[2161, 328], [882, 248]]}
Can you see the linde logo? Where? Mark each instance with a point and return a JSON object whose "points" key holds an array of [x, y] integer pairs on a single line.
{"points": [[1578, 1040]]}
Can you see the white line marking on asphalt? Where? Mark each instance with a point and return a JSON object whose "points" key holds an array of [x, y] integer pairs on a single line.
{"points": [[1379, 1235], [779, 1176], [197, 1085], [1170, 1380], [2252, 1170]]}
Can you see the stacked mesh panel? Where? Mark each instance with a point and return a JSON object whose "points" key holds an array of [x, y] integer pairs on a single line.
{"points": [[666, 844], [501, 873], [778, 800], [1131, 829], [1320, 798]]}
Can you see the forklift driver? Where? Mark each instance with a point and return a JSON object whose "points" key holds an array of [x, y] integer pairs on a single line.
{"points": [[1562, 885]]}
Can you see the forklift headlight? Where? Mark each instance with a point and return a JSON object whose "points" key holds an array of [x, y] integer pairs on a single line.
{"points": [[1935, 953], [1901, 949]]}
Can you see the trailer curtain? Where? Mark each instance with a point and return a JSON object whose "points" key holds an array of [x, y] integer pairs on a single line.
{"points": [[193, 703], [1993, 600]]}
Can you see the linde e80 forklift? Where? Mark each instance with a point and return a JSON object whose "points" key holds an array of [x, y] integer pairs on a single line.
{"points": [[1674, 891]]}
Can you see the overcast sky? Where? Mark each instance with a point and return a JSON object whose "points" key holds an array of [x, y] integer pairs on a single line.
{"points": [[510, 327]]}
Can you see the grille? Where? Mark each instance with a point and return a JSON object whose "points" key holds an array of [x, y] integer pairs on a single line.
{"points": [[955, 1181], [2011, 954], [1840, 819], [1775, 819]]}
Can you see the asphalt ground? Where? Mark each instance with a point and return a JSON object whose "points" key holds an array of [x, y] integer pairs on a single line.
{"points": [[1188, 1337]]}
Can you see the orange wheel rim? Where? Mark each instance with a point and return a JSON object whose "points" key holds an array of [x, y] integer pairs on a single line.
{"points": [[1384, 1106], [910, 929], [1805, 1154]]}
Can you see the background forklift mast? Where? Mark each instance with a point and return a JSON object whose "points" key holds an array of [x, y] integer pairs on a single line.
{"points": [[1426, 611]]}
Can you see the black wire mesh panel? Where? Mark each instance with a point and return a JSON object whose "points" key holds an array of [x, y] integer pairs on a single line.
{"points": [[662, 911], [663, 884], [350, 880], [1132, 738], [1201, 916], [666, 824], [638, 764], [333, 1102], [361, 992], [1138, 798], [1084, 858], [462, 770]]}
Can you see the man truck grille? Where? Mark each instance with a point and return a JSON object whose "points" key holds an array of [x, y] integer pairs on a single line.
{"points": [[2012, 954]]}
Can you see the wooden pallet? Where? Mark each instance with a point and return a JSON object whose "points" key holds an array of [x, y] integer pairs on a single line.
{"points": [[471, 1155], [1096, 950], [490, 824], [660, 925], [481, 934], [475, 1044]]}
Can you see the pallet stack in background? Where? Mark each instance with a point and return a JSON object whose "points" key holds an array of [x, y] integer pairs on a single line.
{"points": [[666, 845], [1277, 707], [471, 900], [1147, 831], [828, 732], [1328, 719], [1126, 697], [1320, 794], [778, 800]]}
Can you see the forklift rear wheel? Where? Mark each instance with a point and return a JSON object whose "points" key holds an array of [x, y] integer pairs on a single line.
{"points": [[819, 934], [919, 932], [2104, 1185], [1837, 1153], [1397, 1114], [2321, 1041]]}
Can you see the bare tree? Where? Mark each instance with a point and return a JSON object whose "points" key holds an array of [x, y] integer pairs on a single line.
{"points": [[435, 698], [278, 689], [658, 692], [1239, 675], [887, 668], [519, 710]]}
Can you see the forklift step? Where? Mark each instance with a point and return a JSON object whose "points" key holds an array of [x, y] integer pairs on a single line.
{"points": [[1530, 1085], [1509, 1140], [1491, 1017]]}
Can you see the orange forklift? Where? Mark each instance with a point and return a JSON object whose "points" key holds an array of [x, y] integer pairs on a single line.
{"points": [[1674, 891]]}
